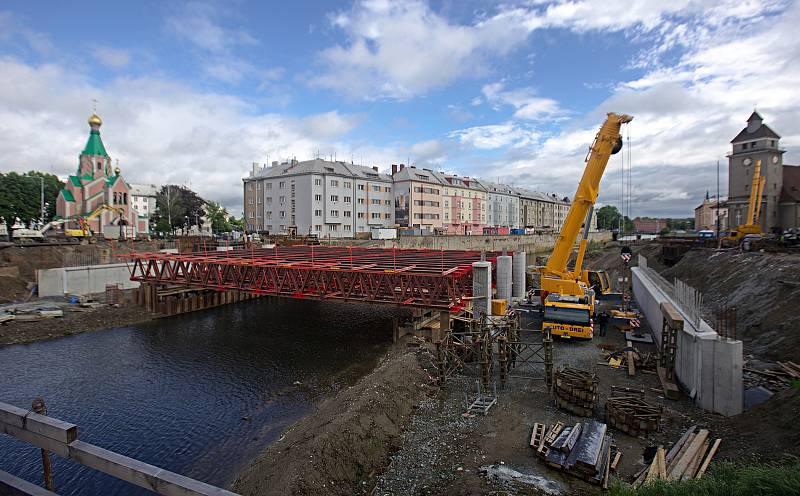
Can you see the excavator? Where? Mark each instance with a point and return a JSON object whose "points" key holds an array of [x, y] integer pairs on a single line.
{"points": [[751, 224], [567, 295]]}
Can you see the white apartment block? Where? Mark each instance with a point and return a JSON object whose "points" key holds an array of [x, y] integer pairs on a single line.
{"points": [[143, 200], [503, 206], [329, 199]]}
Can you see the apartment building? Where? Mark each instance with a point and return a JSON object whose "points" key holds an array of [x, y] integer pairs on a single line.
{"points": [[502, 206], [560, 210], [329, 199], [143, 201], [464, 203], [417, 197]]}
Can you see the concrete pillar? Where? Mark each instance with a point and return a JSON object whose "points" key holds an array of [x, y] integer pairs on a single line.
{"points": [[481, 288], [519, 263], [444, 326], [504, 283]]}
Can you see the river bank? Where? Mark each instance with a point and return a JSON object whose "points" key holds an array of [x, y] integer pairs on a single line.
{"points": [[76, 320], [346, 442]]}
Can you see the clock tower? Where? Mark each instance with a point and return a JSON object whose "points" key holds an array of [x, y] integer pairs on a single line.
{"points": [[755, 142]]}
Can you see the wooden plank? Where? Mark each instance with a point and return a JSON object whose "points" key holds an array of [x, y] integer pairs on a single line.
{"points": [[691, 470], [141, 474], [616, 461], [55, 429], [38, 440], [14, 486], [681, 451], [629, 359], [682, 463], [673, 317], [608, 468], [679, 444], [662, 462], [709, 456], [669, 387]]}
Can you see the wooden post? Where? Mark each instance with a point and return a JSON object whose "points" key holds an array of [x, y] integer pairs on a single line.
{"points": [[38, 406], [395, 330]]}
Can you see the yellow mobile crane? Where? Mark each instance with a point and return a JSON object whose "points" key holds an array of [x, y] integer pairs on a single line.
{"points": [[567, 296], [751, 224]]}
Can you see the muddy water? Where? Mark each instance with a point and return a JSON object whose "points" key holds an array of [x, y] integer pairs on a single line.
{"points": [[200, 394]]}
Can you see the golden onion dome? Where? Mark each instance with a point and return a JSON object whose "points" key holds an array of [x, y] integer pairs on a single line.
{"points": [[95, 120], [117, 170]]}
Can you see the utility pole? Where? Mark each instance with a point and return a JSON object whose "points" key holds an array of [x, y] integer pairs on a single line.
{"points": [[41, 179]]}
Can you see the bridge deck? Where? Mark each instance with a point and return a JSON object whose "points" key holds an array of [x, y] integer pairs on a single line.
{"points": [[426, 278]]}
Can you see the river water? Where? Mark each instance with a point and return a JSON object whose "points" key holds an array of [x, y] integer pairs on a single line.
{"points": [[200, 394]]}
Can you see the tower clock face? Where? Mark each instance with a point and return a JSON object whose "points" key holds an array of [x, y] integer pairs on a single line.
{"points": [[747, 161], [775, 159]]}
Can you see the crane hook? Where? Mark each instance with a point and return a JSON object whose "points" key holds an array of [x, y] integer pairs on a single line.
{"points": [[617, 146]]}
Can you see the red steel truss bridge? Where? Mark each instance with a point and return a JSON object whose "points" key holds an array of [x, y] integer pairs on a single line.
{"points": [[425, 278]]}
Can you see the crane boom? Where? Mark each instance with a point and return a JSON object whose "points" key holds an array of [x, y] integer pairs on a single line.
{"points": [[606, 143], [754, 203]]}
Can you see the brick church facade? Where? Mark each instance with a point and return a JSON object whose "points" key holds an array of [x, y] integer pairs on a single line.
{"points": [[96, 184]]}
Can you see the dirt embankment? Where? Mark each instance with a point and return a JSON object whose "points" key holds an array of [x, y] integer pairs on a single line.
{"points": [[341, 447], [75, 321], [18, 265], [764, 288]]}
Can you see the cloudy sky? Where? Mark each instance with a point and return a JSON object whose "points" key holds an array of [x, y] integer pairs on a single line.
{"points": [[193, 93]]}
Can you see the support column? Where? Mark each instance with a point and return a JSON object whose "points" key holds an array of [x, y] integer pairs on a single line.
{"points": [[504, 275], [518, 263], [481, 288]]}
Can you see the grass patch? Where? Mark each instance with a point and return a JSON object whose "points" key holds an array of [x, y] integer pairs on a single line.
{"points": [[726, 479]]}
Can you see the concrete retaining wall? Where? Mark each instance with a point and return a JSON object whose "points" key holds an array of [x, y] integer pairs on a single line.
{"points": [[531, 243], [83, 280], [707, 366]]}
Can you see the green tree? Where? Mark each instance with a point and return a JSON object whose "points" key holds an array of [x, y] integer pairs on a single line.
{"points": [[20, 196], [608, 217], [178, 205], [237, 224], [218, 216]]}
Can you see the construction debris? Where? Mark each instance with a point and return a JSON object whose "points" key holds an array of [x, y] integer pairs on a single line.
{"points": [[687, 459], [590, 455], [632, 415], [576, 391]]}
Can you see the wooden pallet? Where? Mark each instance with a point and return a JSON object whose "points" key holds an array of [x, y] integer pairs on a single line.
{"points": [[538, 435]]}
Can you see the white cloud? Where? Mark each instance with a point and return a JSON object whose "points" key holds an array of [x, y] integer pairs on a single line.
{"points": [[160, 131], [527, 104], [402, 49], [111, 57], [495, 136]]}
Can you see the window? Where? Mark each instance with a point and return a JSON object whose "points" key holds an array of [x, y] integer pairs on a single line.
{"points": [[387, 202], [115, 198], [387, 189], [375, 201], [252, 215], [334, 183], [430, 191], [348, 184], [281, 200], [334, 198], [347, 227], [360, 215], [269, 200], [317, 182], [333, 227], [348, 199], [318, 227], [317, 213], [249, 186], [282, 184], [125, 198], [386, 216], [348, 213], [266, 186], [376, 216], [283, 214], [99, 165], [427, 203], [360, 201], [334, 213], [269, 214], [259, 199], [376, 188]]}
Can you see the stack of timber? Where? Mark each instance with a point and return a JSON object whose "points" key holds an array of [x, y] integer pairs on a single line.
{"points": [[543, 437], [582, 450], [576, 391], [687, 459], [632, 415]]}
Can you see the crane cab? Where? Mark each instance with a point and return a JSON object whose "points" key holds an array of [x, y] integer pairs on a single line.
{"points": [[568, 316]]}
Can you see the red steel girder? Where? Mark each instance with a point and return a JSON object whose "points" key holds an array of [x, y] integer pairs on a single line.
{"points": [[418, 277]]}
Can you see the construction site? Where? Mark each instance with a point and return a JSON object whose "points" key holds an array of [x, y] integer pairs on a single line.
{"points": [[592, 366]]}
